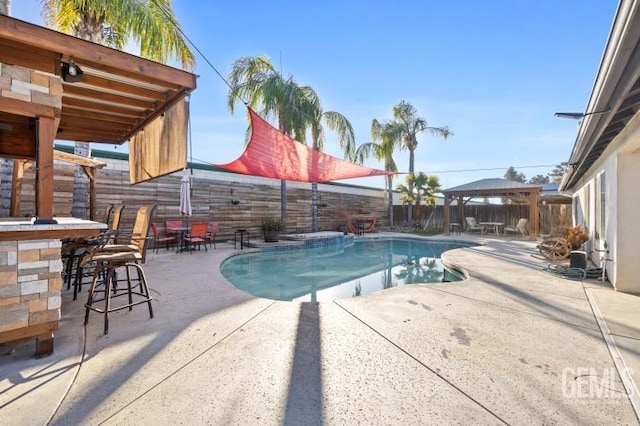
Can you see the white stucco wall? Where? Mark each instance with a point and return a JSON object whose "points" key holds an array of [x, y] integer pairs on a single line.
{"points": [[621, 165]]}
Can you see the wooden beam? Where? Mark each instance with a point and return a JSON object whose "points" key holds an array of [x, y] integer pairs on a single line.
{"points": [[105, 108], [534, 217], [105, 97], [91, 174], [79, 50], [461, 211], [116, 86], [44, 159], [40, 234], [28, 109], [77, 159], [98, 115]]}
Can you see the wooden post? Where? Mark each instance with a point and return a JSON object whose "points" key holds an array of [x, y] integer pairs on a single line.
{"points": [[91, 174], [533, 215], [44, 174], [447, 203]]}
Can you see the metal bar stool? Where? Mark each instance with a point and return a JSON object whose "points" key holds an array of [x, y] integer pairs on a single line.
{"points": [[106, 289]]}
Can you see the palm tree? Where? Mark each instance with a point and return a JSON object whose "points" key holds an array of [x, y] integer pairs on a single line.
{"points": [[382, 147], [254, 80], [334, 121], [112, 23], [420, 188], [409, 124]]}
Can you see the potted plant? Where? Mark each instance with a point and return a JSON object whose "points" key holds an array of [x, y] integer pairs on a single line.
{"points": [[576, 235], [271, 228]]}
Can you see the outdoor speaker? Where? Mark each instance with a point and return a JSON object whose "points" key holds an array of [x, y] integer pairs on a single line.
{"points": [[578, 259]]}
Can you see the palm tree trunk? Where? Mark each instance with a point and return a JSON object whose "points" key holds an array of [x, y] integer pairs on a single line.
{"points": [[390, 192], [410, 204], [314, 207], [283, 205]]}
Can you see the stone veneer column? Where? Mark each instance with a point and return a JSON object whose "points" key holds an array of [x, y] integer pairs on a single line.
{"points": [[30, 291]]}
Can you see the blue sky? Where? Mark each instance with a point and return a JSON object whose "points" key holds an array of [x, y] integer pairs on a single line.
{"points": [[493, 71]]}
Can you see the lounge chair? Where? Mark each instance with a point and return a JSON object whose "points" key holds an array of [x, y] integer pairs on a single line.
{"points": [[520, 227], [472, 225]]}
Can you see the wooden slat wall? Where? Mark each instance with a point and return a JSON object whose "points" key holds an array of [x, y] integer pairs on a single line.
{"points": [[211, 200], [554, 218]]}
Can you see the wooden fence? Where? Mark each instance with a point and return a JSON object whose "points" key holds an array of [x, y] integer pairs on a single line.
{"points": [[554, 218], [212, 193], [257, 198]]}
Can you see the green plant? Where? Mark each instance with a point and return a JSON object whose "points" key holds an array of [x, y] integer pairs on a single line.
{"points": [[271, 228], [576, 235]]}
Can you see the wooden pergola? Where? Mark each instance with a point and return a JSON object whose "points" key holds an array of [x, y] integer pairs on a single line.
{"points": [[116, 96], [487, 188], [89, 167]]}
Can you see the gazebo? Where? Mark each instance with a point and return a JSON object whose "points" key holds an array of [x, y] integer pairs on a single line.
{"points": [[487, 188]]}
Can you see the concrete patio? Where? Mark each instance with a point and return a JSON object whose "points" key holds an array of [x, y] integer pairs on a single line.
{"points": [[510, 345]]}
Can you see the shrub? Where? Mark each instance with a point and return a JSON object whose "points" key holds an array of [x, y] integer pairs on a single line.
{"points": [[271, 224], [576, 235]]}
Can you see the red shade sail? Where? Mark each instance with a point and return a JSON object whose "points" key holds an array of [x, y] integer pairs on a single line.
{"points": [[270, 153]]}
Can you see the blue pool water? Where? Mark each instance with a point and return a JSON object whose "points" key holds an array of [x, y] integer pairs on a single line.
{"points": [[340, 271]]}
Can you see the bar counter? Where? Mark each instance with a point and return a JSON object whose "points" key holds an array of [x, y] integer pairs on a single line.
{"points": [[30, 276]]}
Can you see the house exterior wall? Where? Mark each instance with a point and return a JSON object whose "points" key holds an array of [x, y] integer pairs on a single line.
{"points": [[618, 166]]}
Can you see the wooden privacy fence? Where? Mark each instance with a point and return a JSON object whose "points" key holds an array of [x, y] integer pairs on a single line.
{"points": [[554, 218], [214, 197]]}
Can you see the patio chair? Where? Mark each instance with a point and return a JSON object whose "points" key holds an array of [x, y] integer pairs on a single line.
{"points": [[138, 238], [370, 224], [172, 227], [161, 239], [214, 228], [520, 227], [197, 235], [116, 216], [105, 260], [107, 243], [472, 225]]}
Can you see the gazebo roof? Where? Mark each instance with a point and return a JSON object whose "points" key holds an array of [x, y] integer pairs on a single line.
{"points": [[492, 188]]}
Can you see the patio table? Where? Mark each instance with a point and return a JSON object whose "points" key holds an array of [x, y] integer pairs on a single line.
{"points": [[492, 226], [184, 244]]}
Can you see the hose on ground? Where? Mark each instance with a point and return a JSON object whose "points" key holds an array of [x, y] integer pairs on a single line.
{"points": [[577, 274]]}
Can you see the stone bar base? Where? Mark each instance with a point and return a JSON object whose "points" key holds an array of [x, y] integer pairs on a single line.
{"points": [[30, 291]]}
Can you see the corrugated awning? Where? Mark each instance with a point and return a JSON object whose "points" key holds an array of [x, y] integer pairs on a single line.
{"points": [[270, 153]]}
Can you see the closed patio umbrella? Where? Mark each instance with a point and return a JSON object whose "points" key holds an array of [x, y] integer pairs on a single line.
{"points": [[185, 196]]}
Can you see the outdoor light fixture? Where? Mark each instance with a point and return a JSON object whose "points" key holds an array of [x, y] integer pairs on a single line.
{"points": [[579, 115], [71, 73]]}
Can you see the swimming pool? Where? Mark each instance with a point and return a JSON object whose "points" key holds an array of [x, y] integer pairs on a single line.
{"points": [[340, 271]]}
